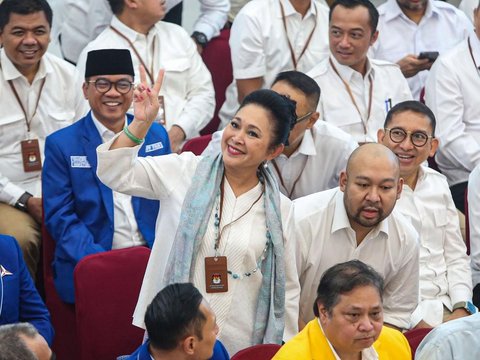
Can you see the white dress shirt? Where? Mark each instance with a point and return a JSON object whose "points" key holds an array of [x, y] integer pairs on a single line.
{"points": [[452, 92], [85, 19], [325, 238], [474, 221], [315, 165], [336, 106], [456, 339], [187, 86], [441, 28], [60, 104], [259, 45], [168, 179], [445, 277], [125, 231]]}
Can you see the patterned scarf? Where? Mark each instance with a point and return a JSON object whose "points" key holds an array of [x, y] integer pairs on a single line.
{"points": [[196, 209]]}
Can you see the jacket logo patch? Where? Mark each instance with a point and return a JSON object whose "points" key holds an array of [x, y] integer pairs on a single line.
{"points": [[4, 272], [79, 162], [153, 147]]}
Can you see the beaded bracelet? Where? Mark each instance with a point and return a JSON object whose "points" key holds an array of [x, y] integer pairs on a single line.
{"points": [[132, 137]]}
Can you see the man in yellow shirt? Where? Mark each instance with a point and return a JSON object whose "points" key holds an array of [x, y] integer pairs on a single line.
{"points": [[348, 322]]}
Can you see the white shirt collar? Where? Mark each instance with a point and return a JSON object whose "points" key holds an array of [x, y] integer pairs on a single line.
{"points": [[346, 72], [130, 34], [290, 10], [307, 146], [340, 218], [105, 133], [10, 72], [367, 354], [393, 10]]}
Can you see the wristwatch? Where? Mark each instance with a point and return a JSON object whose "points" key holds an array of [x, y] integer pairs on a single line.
{"points": [[200, 38], [467, 305], [21, 203]]}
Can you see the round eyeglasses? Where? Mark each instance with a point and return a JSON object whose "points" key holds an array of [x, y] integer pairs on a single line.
{"points": [[418, 138], [103, 85]]}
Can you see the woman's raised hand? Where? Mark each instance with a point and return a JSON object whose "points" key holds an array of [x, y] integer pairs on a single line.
{"points": [[145, 99]]}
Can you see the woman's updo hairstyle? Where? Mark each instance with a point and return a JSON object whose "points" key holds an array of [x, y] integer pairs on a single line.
{"points": [[281, 112]]}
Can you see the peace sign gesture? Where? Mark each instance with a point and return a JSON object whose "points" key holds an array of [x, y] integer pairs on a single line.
{"points": [[145, 99]]}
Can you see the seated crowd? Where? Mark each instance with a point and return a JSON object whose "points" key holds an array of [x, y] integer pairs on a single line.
{"points": [[327, 213]]}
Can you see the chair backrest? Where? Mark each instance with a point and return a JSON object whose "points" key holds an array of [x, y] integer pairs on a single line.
{"points": [[415, 337], [467, 223], [197, 144], [216, 57], [257, 352], [106, 290], [65, 344]]}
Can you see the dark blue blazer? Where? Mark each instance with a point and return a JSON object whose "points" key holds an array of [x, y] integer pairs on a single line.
{"points": [[78, 207], [142, 353], [19, 299]]}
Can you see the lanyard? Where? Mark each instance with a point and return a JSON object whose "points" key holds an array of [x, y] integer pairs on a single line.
{"points": [[277, 169], [218, 216], [149, 72], [370, 95], [473, 59], [28, 122], [292, 52]]}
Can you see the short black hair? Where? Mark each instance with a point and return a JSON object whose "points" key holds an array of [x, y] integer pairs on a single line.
{"points": [[117, 6], [343, 278], [23, 7], [302, 82], [414, 106], [281, 110], [12, 346], [350, 4], [174, 314]]}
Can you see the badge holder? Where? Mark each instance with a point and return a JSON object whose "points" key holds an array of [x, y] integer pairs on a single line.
{"points": [[216, 276]]}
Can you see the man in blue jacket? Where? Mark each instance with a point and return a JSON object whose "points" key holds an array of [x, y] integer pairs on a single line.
{"points": [[181, 326], [19, 299], [81, 214]]}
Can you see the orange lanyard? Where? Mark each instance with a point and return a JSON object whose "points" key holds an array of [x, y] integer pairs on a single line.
{"points": [[147, 70], [295, 61], [28, 122], [370, 95]]}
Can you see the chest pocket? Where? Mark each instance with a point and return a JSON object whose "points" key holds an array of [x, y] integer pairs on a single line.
{"points": [[176, 74], [13, 128]]}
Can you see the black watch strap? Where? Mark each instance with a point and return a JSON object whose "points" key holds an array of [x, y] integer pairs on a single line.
{"points": [[21, 203], [200, 38]]}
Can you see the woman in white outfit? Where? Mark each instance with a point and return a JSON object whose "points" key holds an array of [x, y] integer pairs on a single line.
{"points": [[223, 224]]}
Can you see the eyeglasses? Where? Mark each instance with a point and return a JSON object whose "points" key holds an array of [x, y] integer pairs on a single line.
{"points": [[418, 138], [103, 85], [304, 117]]}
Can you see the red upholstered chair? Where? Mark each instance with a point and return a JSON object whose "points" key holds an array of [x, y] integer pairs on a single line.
{"points": [[415, 337], [216, 57], [257, 352], [106, 290], [197, 144], [467, 223], [65, 343]]}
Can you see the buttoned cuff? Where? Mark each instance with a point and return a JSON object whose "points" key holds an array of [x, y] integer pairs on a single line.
{"points": [[11, 193]]}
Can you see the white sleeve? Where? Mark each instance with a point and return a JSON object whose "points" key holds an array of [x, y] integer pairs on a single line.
{"points": [[474, 221], [213, 16], [443, 94], [292, 285], [148, 177], [247, 48]]}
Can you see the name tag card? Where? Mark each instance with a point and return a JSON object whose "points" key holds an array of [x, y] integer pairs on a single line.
{"points": [[32, 160], [216, 276]]}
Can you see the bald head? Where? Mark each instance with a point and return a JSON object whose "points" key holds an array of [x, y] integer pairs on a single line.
{"points": [[373, 152], [371, 186]]}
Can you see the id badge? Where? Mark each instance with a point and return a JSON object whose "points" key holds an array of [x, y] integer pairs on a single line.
{"points": [[161, 117], [216, 276], [32, 160]]}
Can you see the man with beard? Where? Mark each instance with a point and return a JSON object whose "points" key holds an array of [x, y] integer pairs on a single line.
{"points": [[355, 221]]}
